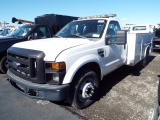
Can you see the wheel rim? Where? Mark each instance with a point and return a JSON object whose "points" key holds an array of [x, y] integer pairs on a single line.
{"points": [[86, 90]]}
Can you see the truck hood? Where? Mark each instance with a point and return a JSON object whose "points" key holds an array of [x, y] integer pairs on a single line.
{"points": [[5, 38], [52, 46]]}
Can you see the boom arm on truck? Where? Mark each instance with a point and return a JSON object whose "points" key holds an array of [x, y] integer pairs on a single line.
{"points": [[20, 21]]}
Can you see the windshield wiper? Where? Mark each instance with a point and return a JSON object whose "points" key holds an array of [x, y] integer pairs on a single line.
{"points": [[73, 35], [15, 36]]}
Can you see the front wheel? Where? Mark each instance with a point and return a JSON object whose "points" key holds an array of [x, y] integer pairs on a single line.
{"points": [[4, 64], [84, 89]]}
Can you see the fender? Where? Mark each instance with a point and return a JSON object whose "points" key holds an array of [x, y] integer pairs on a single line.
{"points": [[148, 47], [78, 64]]}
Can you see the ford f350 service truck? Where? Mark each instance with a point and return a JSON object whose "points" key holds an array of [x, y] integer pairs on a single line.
{"points": [[71, 65], [45, 27]]}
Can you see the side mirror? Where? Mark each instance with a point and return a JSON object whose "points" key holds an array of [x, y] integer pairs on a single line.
{"points": [[120, 38]]}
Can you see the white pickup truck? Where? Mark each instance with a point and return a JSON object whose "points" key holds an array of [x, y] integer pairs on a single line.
{"points": [[70, 65], [141, 28]]}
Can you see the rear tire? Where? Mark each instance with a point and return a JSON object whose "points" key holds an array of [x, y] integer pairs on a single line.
{"points": [[84, 89], [3, 64], [144, 62]]}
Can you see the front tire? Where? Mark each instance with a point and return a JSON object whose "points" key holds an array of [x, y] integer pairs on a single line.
{"points": [[3, 64], [84, 89]]}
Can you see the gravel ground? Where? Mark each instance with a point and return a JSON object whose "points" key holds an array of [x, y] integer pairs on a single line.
{"points": [[129, 93]]}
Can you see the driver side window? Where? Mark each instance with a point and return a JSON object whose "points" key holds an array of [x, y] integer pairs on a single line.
{"points": [[112, 29], [41, 33]]}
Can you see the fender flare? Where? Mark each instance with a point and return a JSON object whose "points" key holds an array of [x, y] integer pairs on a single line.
{"points": [[78, 64], [147, 48]]}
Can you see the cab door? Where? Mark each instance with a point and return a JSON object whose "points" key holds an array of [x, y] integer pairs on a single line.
{"points": [[115, 55]]}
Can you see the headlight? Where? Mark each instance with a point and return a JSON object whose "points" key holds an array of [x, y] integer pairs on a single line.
{"points": [[55, 72], [53, 78]]}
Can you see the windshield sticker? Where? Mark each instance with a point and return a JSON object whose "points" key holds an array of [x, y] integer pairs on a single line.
{"points": [[95, 35], [100, 21]]}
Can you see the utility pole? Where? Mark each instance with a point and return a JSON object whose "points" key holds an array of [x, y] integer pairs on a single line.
{"points": [[3, 23]]}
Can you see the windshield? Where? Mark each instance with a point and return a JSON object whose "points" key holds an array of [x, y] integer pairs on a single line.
{"points": [[5, 32], [21, 31], [85, 28]]}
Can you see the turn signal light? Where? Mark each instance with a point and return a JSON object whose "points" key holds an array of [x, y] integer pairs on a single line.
{"points": [[56, 66], [59, 66]]}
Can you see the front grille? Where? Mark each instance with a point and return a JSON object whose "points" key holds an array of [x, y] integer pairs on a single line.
{"points": [[19, 64], [27, 64]]}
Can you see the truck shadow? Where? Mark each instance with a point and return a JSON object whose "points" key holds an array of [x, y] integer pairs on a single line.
{"points": [[118, 75]]}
